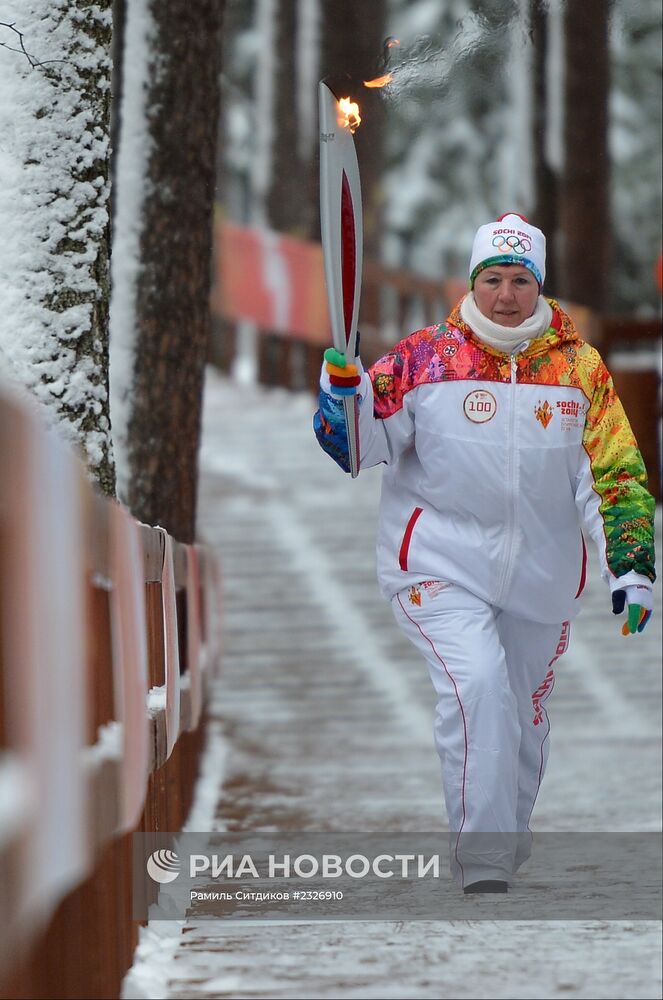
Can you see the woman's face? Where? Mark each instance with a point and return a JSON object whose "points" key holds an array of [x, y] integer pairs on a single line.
{"points": [[506, 293]]}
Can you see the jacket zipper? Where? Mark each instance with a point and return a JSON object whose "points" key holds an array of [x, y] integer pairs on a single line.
{"points": [[511, 475]]}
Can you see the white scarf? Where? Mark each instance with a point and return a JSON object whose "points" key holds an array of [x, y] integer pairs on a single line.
{"points": [[506, 338]]}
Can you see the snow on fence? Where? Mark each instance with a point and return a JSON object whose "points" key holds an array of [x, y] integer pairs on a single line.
{"points": [[109, 636], [271, 323]]}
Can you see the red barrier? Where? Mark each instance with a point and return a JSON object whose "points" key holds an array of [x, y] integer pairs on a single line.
{"points": [[273, 280]]}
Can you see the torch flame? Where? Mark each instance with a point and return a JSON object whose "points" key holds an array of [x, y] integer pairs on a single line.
{"points": [[379, 81], [349, 111]]}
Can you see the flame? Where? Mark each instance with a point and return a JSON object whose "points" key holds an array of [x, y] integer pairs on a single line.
{"points": [[379, 81], [349, 113]]}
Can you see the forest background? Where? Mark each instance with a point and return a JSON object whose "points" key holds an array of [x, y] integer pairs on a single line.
{"points": [[128, 126]]}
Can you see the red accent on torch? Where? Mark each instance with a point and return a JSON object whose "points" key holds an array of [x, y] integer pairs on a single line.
{"points": [[348, 254]]}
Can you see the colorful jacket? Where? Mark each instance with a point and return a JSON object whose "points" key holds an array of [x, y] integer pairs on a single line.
{"points": [[494, 462]]}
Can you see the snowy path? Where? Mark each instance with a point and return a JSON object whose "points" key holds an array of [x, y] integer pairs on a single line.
{"points": [[322, 721]]}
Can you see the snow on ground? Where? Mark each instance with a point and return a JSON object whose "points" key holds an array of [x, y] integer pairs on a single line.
{"points": [[322, 721]]}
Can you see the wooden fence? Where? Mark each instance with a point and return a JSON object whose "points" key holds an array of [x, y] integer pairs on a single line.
{"points": [[394, 303], [109, 636]]}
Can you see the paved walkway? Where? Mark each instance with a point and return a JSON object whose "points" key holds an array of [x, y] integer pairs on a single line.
{"points": [[322, 721]]}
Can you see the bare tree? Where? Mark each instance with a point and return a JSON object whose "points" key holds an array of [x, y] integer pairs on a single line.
{"points": [[172, 283], [586, 244], [353, 35], [288, 201], [545, 177]]}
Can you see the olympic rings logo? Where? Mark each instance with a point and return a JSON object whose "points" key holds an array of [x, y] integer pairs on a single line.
{"points": [[512, 244]]}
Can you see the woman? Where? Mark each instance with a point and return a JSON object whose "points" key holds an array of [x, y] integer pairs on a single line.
{"points": [[503, 438]]}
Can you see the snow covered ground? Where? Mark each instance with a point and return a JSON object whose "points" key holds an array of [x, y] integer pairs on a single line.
{"points": [[322, 721]]}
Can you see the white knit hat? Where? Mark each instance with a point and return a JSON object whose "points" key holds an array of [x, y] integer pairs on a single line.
{"points": [[509, 240]]}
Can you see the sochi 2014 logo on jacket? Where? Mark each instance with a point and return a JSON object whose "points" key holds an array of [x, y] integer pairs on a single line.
{"points": [[572, 413], [543, 412]]}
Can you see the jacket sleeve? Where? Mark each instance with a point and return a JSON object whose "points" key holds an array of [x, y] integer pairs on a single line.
{"points": [[612, 496], [386, 423]]}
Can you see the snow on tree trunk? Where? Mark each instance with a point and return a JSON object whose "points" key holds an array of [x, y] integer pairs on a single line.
{"points": [[635, 151], [448, 119], [54, 237], [168, 300]]}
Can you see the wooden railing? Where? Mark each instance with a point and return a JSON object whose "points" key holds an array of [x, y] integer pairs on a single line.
{"points": [[109, 636]]}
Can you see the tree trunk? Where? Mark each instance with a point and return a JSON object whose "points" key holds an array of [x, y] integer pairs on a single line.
{"points": [[544, 214], [56, 207], [585, 216], [286, 197], [173, 284], [353, 36]]}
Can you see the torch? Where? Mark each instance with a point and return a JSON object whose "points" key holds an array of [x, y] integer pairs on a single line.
{"points": [[341, 227]]}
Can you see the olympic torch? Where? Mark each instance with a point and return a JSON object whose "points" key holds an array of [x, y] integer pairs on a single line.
{"points": [[341, 227]]}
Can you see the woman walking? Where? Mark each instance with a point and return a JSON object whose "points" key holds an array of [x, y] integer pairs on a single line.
{"points": [[503, 439]]}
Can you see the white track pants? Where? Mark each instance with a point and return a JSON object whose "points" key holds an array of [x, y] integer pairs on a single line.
{"points": [[492, 674]]}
